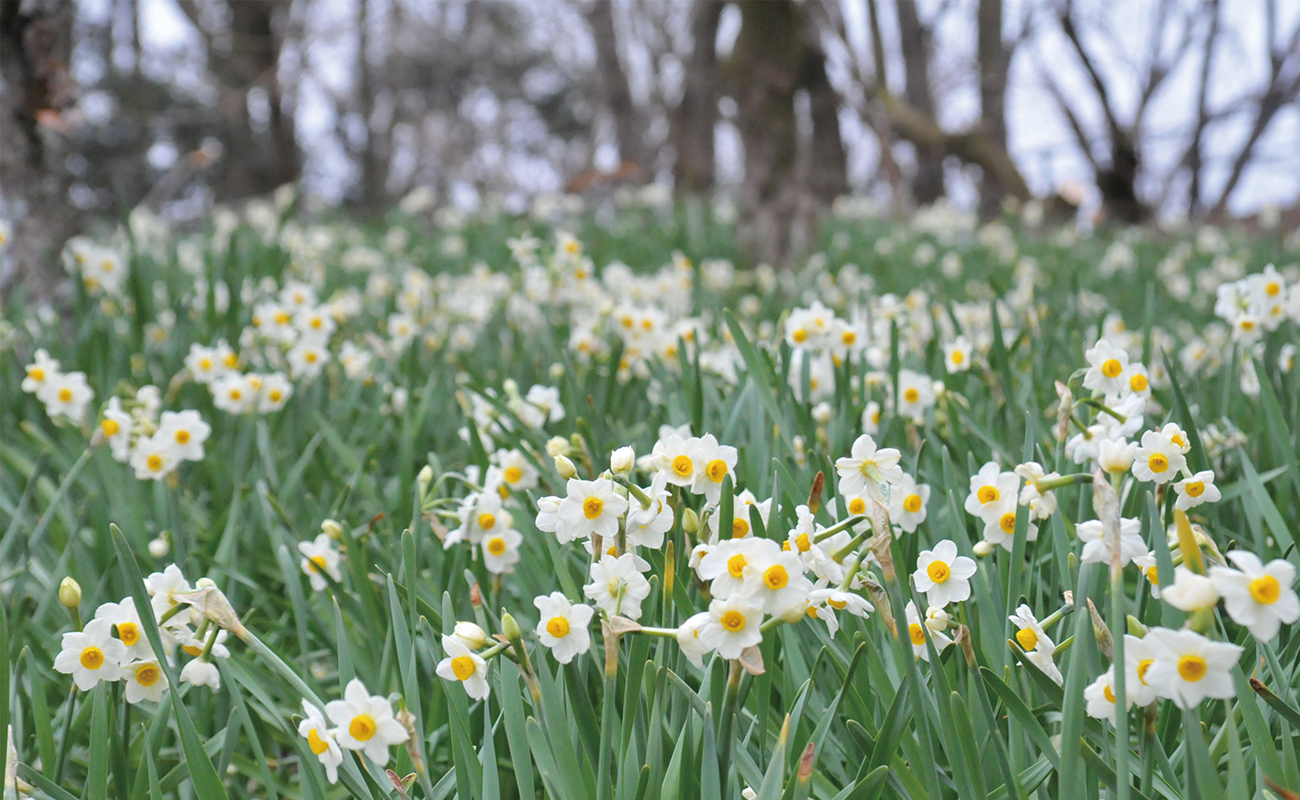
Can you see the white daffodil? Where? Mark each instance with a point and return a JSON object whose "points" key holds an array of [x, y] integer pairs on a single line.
{"points": [[1196, 490], [548, 515], [320, 559], [41, 370], [1258, 595], [907, 503], [617, 585], [1139, 655], [463, 665], [1158, 459], [943, 575], [320, 740], [1041, 504], [274, 392], [187, 432], [1106, 365], [1190, 592], [678, 458], [154, 457], [365, 722], [956, 355], [145, 680], [774, 580], [517, 472], [1096, 550], [480, 514], [117, 427], [164, 588], [714, 462], [1038, 646], [724, 564], [563, 627], [841, 600], [1189, 667], [1000, 524], [916, 634], [866, 469], [124, 617], [988, 488], [646, 526], [591, 507], [66, 395], [1099, 697], [201, 672], [688, 638], [501, 550], [734, 624], [91, 655], [1174, 433]]}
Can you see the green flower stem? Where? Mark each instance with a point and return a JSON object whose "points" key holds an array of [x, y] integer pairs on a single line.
{"points": [[839, 526], [634, 490], [727, 723], [1073, 479], [1117, 623]]}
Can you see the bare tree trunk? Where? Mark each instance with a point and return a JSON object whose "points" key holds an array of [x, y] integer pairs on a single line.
{"points": [[617, 97], [1195, 152], [697, 115], [994, 59], [765, 62], [828, 165], [928, 185], [35, 51], [374, 163]]}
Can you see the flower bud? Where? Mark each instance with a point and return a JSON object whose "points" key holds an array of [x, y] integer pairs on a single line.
{"points": [[565, 467], [70, 593], [690, 521], [424, 479], [158, 548], [472, 635], [556, 371], [558, 446], [205, 583], [510, 628], [982, 548], [821, 413], [622, 460], [1116, 455], [794, 613], [332, 529]]}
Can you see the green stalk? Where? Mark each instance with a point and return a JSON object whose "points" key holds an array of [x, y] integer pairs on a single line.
{"points": [[727, 723], [1117, 627]]}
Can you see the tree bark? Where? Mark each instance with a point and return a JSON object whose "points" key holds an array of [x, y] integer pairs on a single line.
{"points": [[765, 65], [697, 114], [35, 52], [828, 164], [994, 59], [928, 185], [617, 96]]}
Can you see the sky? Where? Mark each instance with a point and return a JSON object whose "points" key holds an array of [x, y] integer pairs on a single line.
{"points": [[1039, 140]]}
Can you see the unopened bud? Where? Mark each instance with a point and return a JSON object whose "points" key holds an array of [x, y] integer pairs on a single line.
{"points": [[424, 479], [982, 548], [556, 371], [70, 593], [565, 467], [622, 460], [472, 635], [1135, 627], [510, 628], [205, 583], [794, 613], [158, 548], [1105, 643], [690, 521], [332, 529], [558, 446]]}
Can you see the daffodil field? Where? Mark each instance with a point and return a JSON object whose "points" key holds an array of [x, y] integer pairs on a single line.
{"points": [[577, 504]]}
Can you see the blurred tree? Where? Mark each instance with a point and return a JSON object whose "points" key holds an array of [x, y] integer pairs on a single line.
{"points": [[696, 116]]}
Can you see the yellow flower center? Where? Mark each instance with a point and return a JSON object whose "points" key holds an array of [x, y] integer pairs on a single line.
{"points": [[182, 437], [557, 627], [462, 667], [275, 395], [235, 394], [147, 676], [317, 562], [912, 503], [1194, 489], [803, 542], [1178, 441], [592, 507], [154, 462], [129, 633], [1108, 694], [958, 356], [1248, 324], [92, 658], [65, 395], [1008, 522], [682, 466], [362, 727], [776, 577], [486, 521], [317, 322], [1158, 463], [917, 635], [496, 546], [1138, 382], [232, 360], [1153, 575], [736, 565], [1112, 368], [1265, 589], [512, 474], [733, 621], [1027, 638], [110, 427], [938, 571], [716, 470], [1143, 666], [36, 373], [1191, 668], [192, 650], [282, 318], [848, 337], [205, 364], [859, 506], [739, 528], [800, 335], [837, 604], [317, 744], [911, 395], [987, 494]]}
